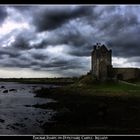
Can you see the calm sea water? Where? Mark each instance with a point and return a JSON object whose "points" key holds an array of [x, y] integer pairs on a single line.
{"points": [[16, 115]]}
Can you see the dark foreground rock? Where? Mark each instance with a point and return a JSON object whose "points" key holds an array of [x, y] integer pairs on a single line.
{"points": [[2, 86], [13, 90], [5, 91], [2, 121]]}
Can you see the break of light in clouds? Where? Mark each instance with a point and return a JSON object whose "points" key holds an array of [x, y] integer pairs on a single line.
{"points": [[24, 72], [53, 41]]}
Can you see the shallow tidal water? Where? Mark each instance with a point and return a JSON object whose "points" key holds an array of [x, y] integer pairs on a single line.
{"points": [[17, 116]]}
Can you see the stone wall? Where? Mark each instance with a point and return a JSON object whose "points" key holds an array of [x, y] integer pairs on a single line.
{"points": [[126, 73]]}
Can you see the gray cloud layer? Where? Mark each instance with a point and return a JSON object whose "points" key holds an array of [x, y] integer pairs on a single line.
{"points": [[3, 14], [60, 38]]}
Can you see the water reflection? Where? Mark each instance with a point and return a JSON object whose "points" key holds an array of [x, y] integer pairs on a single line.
{"points": [[15, 117]]}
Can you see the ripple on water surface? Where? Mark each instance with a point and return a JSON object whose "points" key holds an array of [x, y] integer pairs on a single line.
{"points": [[17, 116]]}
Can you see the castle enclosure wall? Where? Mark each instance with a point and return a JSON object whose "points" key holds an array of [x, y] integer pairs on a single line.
{"points": [[127, 73]]}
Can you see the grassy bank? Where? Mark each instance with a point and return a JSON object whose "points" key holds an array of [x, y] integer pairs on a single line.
{"points": [[88, 107]]}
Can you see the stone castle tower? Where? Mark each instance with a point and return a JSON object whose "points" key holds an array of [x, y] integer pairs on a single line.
{"points": [[101, 62]]}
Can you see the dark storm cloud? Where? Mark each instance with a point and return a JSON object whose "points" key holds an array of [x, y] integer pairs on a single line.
{"points": [[116, 23], [10, 53], [53, 17], [39, 56], [20, 43], [127, 43], [62, 64], [82, 51], [3, 14]]}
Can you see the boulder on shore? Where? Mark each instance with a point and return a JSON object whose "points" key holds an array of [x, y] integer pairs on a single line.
{"points": [[5, 91]]}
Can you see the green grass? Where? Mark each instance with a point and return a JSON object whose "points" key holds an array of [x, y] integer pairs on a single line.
{"points": [[94, 89], [106, 88]]}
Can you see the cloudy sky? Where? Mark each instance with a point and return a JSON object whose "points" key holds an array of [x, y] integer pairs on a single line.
{"points": [[53, 41]]}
